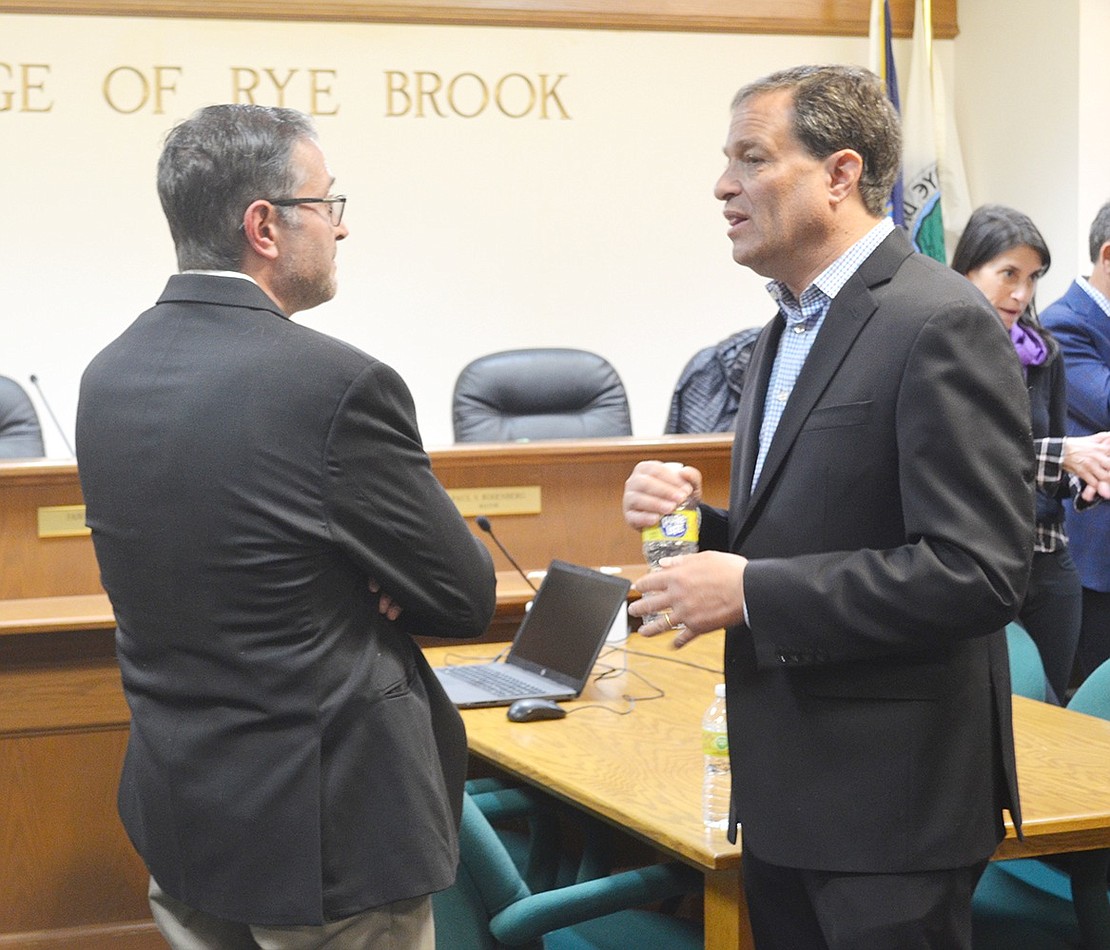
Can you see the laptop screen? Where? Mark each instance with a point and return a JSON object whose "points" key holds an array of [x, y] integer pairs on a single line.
{"points": [[562, 634]]}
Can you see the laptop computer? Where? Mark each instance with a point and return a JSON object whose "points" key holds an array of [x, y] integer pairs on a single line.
{"points": [[555, 646]]}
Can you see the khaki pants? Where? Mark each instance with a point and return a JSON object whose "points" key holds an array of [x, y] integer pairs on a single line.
{"points": [[403, 925]]}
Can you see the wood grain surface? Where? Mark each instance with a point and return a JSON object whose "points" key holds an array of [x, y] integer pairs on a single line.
{"points": [[642, 771]]}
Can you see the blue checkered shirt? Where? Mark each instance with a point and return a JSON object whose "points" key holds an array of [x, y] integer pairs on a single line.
{"points": [[804, 317]]}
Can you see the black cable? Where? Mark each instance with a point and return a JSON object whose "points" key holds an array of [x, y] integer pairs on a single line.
{"points": [[627, 697], [672, 659]]}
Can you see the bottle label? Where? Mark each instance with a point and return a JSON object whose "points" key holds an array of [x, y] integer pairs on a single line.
{"points": [[714, 743], [681, 525]]}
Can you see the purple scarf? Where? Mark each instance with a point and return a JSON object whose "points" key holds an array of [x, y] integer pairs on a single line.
{"points": [[1030, 347]]}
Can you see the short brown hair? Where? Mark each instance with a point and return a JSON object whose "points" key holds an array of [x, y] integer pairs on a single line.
{"points": [[839, 107]]}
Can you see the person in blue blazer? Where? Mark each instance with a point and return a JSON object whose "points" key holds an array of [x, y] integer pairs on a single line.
{"points": [[271, 536], [877, 540], [1080, 321]]}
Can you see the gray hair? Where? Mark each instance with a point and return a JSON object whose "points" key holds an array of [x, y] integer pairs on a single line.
{"points": [[1100, 231], [213, 165], [838, 107]]}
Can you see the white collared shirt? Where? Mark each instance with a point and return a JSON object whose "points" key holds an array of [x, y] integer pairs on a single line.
{"points": [[223, 273], [1096, 295]]}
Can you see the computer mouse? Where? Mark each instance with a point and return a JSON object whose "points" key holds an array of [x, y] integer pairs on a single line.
{"points": [[529, 710]]}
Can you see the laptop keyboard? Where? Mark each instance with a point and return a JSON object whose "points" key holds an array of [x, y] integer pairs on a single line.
{"points": [[497, 682]]}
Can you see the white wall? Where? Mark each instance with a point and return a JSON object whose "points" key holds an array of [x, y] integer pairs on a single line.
{"points": [[467, 236], [1027, 75], [1093, 134], [472, 235]]}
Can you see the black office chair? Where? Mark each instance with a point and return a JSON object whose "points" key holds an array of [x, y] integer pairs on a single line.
{"points": [[555, 393]]}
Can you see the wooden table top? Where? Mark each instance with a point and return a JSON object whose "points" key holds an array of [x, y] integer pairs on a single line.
{"points": [[56, 614], [1063, 760], [642, 771]]}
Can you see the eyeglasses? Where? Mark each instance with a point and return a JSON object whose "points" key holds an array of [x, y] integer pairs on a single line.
{"points": [[336, 205]]}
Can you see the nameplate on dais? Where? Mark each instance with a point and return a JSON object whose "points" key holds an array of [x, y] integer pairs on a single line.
{"points": [[498, 500], [63, 521]]}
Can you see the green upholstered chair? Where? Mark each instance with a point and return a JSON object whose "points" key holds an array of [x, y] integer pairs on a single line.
{"points": [[490, 906], [1093, 695], [1056, 903], [1026, 669], [531, 826]]}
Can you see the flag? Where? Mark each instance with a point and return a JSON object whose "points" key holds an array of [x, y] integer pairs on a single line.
{"points": [[954, 195], [935, 196], [882, 64]]}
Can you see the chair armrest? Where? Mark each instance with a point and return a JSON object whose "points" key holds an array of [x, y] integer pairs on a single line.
{"points": [[530, 918], [541, 863], [498, 804], [488, 784]]}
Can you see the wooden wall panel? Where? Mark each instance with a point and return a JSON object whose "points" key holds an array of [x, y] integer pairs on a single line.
{"points": [[67, 860], [818, 17], [41, 567], [580, 521], [581, 484]]}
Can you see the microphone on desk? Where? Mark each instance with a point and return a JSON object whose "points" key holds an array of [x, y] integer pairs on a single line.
{"points": [[483, 522], [49, 409]]}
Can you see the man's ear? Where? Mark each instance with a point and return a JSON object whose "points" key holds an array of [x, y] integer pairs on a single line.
{"points": [[844, 168], [1103, 262], [261, 223]]}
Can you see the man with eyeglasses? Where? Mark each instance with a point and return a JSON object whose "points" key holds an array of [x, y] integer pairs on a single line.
{"points": [[271, 536]]}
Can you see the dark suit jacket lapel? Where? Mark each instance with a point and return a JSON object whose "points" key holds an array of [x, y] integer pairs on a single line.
{"points": [[848, 314]]}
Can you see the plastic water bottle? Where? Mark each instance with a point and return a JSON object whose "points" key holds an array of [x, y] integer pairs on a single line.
{"points": [[717, 784], [676, 533]]}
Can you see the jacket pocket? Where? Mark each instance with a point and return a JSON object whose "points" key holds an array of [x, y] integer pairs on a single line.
{"points": [[837, 417]]}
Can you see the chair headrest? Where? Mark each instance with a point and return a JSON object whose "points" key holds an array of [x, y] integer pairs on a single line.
{"points": [[551, 393]]}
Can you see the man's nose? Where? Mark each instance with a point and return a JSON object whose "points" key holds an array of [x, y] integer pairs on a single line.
{"points": [[726, 187]]}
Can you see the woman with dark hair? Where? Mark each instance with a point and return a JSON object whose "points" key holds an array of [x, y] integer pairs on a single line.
{"points": [[1003, 254]]}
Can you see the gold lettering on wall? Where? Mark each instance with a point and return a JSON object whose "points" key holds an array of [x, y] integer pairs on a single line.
{"points": [[23, 87], [310, 90], [424, 94], [128, 89], [132, 89]]}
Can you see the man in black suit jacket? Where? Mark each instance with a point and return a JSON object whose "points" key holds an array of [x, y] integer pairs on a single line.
{"points": [[271, 534], [878, 537]]}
